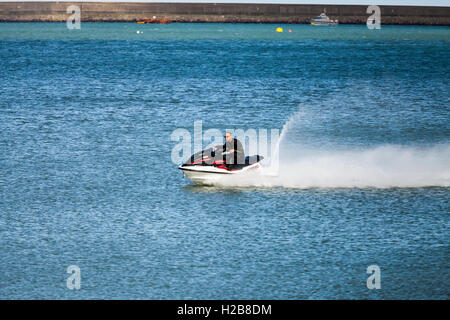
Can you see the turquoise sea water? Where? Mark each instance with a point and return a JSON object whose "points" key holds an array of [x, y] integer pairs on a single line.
{"points": [[86, 175]]}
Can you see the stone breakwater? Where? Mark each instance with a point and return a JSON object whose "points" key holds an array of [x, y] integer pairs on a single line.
{"points": [[218, 12]]}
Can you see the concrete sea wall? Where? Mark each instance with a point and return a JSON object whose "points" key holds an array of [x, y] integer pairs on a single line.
{"points": [[219, 12]]}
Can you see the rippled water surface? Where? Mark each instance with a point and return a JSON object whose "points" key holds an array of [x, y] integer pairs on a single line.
{"points": [[86, 175]]}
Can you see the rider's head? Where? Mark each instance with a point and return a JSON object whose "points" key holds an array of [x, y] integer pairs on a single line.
{"points": [[228, 136]]}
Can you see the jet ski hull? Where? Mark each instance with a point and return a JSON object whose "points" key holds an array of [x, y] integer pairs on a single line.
{"points": [[207, 175], [205, 168]]}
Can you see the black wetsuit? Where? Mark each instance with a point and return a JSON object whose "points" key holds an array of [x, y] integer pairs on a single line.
{"points": [[237, 157]]}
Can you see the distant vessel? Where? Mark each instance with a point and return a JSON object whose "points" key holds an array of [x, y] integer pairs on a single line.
{"points": [[323, 20], [155, 20]]}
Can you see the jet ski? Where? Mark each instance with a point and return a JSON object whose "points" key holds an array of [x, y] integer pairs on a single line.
{"points": [[208, 166]]}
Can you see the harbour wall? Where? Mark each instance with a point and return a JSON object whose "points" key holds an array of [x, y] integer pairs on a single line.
{"points": [[218, 12]]}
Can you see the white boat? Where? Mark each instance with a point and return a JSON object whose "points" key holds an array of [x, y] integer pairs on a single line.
{"points": [[323, 20]]}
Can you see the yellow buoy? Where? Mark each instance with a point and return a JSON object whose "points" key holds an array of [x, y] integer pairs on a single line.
{"points": [[279, 29]]}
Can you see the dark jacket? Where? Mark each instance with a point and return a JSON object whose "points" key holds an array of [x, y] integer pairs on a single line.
{"points": [[238, 156]]}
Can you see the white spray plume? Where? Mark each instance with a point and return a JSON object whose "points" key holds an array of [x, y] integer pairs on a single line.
{"points": [[383, 166]]}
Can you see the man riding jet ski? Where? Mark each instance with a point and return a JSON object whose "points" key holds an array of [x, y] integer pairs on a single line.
{"points": [[209, 165], [232, 151]]}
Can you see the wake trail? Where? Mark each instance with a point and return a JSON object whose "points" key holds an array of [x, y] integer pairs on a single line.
{"points": [[384, 166]]}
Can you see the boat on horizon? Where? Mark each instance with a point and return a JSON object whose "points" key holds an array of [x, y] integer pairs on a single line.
{"points": [[323, 20], [155, 20]]}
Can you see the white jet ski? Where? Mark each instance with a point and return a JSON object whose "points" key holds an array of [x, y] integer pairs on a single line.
{"points": [[208, 166]]}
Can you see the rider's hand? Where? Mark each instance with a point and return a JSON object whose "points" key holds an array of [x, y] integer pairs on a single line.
{"points": [[232, 150]]}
